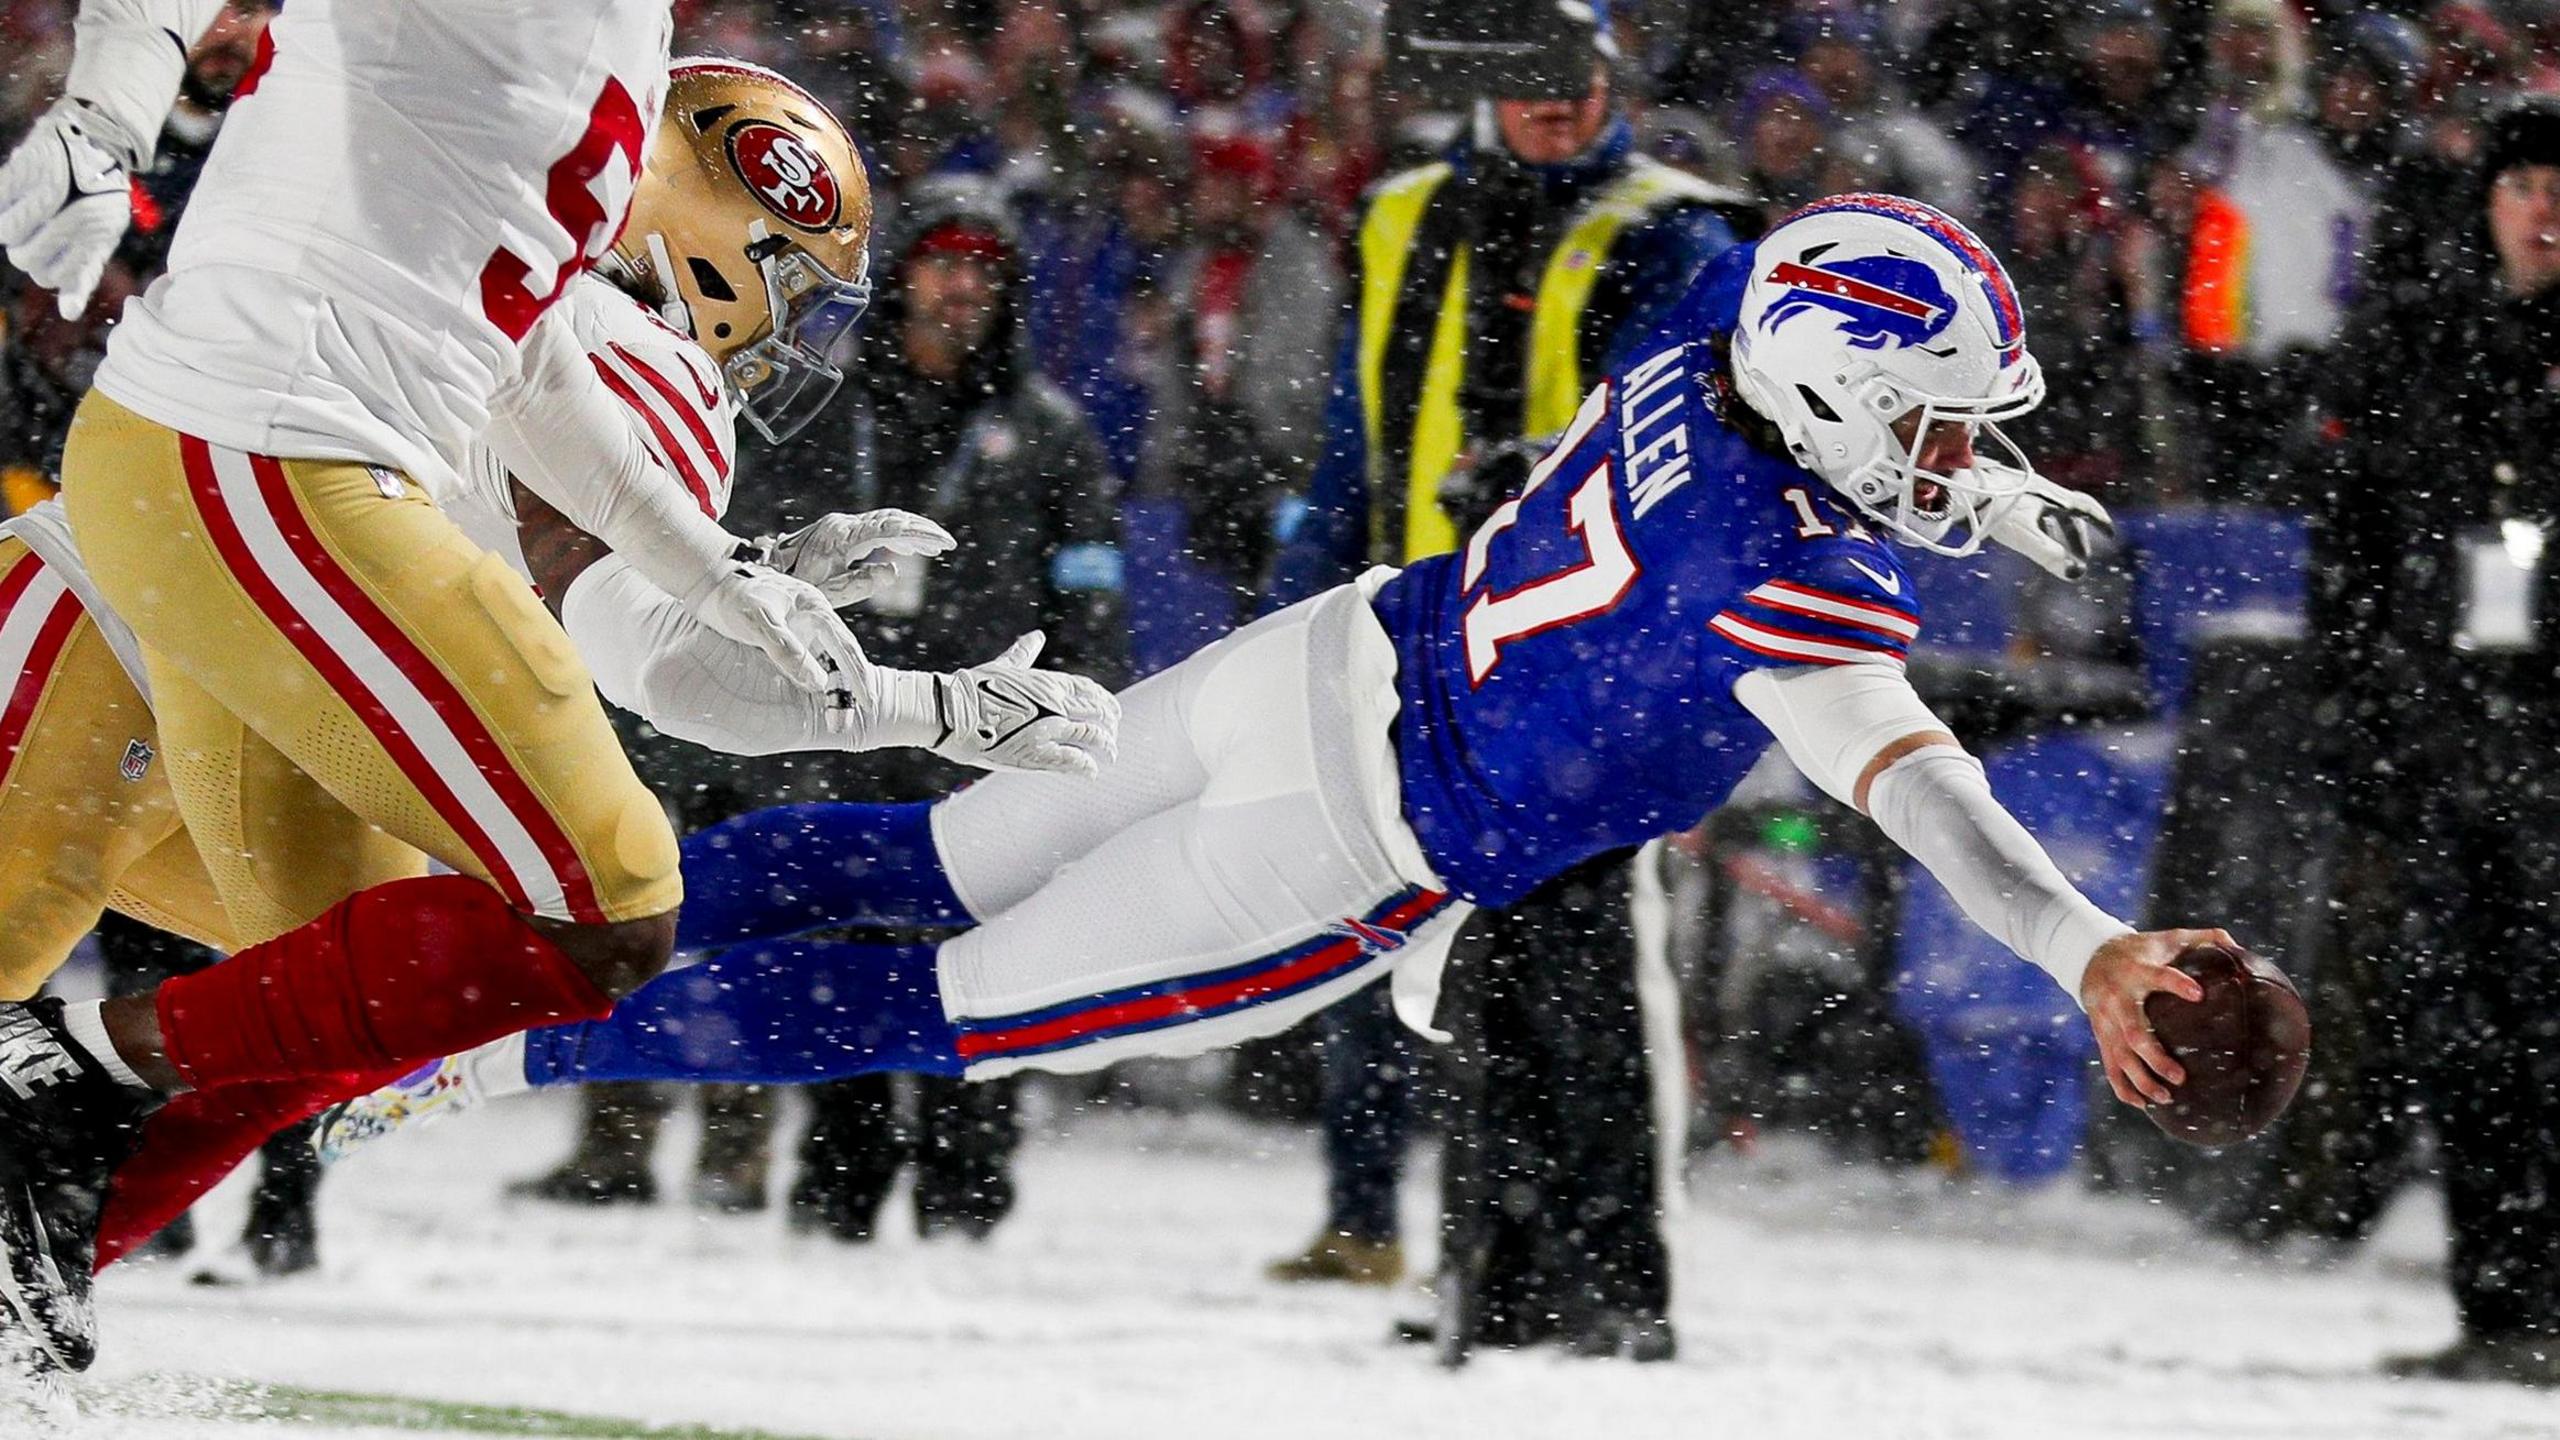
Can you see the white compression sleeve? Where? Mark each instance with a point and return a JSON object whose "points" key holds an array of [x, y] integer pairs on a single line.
{"points": [[650, 656], [1936, 804], [126, 61], [563, 434]]}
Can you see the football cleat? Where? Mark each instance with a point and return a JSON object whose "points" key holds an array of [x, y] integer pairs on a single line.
{"points": [[65, 1124], [433, 1090]]}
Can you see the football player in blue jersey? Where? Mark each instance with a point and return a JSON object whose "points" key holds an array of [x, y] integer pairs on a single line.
{"points": [[1698, 567]]}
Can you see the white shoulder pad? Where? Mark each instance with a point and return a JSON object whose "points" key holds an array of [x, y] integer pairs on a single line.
{"points": [[687, 415]]}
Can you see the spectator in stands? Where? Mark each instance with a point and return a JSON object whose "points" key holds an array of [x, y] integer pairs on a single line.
{"points": [[2443, 481], [2376, 65], [943, 414], [1094, 239], [1785, 126], [2103, 85], [2124, 108], [2078, 260], [1690, 140], [2272, 266], [939, 127], [1249, 299], [1887, 142], [1220, 70]]}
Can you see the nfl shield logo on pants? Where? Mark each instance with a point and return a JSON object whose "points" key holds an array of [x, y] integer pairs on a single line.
{"points": [[136, 763]]}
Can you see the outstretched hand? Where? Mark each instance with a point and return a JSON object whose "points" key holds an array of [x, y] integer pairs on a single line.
{"points": [[851, 557], [1006, 715], [2125, 972]]}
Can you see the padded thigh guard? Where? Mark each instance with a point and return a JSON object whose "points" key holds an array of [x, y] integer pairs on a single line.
{"points": [[331, 653]]}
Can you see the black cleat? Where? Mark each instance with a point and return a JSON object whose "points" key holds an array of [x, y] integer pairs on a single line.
{"points": [[65, 1124]]}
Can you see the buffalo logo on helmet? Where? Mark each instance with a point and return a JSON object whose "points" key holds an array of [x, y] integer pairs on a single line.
{"points": [[789, 177], [1882, 300]]}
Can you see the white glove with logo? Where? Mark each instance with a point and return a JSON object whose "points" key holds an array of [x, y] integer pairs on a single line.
{"points": [[1002, 715], [65, 199], [850, 557], [793, 624], [2055, 526]]}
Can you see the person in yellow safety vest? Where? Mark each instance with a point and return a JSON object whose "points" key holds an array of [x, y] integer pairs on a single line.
{"points": [[1488, 289]]}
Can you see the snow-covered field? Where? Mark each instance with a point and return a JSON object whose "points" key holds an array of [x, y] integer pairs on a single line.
{"points": [[1124, 1302]]}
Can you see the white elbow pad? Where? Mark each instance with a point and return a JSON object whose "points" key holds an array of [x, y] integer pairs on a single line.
{"points": [[1831, 721]]}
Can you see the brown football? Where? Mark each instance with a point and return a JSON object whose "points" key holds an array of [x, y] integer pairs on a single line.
{"points": [[2244, 1047]]}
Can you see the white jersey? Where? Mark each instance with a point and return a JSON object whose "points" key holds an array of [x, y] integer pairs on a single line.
{"points": [[400, 190], [686, 416]]}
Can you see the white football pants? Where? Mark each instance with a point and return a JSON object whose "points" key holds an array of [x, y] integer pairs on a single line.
{"points": [[1243, 863]]}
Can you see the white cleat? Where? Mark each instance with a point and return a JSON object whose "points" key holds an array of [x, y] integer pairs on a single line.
{"points": [[430, 1092]]}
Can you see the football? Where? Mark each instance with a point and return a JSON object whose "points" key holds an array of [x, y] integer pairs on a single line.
{"points": [[2244, 1046]]}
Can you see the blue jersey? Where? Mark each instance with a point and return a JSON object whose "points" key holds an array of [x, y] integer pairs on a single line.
{"points": [[1567, 678]]}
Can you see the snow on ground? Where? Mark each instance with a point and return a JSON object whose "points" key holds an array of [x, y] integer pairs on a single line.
{"points": [[1124, 1301]]}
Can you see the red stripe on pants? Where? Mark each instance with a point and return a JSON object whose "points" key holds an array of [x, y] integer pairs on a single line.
{"points": [[461, 721], [334, 671]]}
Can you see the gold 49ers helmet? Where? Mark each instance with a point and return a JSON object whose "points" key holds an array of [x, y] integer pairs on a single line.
{"points": [[752, 222]]}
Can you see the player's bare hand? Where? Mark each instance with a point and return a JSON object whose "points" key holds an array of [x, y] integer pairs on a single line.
{"points": [[851, 557], [1005, 715], [2124, 973], [65, 200]]}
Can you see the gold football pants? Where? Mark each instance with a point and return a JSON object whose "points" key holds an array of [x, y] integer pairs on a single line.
{"points": [[86, 817], [343, 681]]}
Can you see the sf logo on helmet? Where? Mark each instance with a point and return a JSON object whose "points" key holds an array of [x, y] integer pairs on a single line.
{"points": [[1882, 300], [785, 174]]}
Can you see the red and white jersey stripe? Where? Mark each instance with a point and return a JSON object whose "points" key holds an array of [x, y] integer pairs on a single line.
{"points": [[1806, 624], [1797, 646], [680, 407], [1791, 598], [411, 708], [38, 612]]}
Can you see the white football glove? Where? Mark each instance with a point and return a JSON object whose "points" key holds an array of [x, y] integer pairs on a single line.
{"points": [[1004, 715], [2054, 525], [65, 199], [850, 557], [793, 624]]}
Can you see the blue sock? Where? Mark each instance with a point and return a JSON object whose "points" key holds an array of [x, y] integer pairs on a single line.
{"points": [[785, 1013], [797, 868]]}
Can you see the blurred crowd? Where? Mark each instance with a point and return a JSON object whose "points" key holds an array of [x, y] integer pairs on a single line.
{"points": [[1117, 252], [2194, 195]]}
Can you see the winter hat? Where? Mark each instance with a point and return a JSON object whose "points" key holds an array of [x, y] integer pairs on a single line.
{"points": [[2526, 131], [1772, 88]]}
